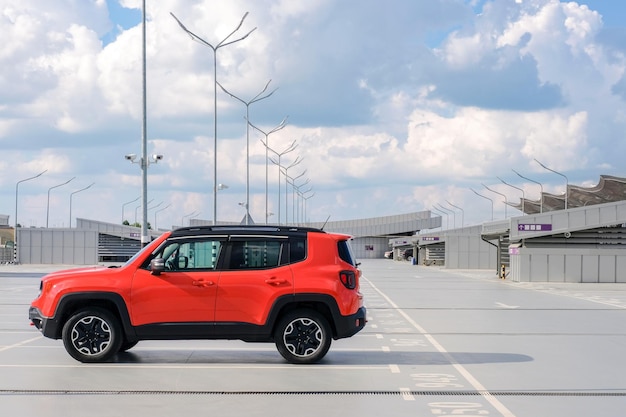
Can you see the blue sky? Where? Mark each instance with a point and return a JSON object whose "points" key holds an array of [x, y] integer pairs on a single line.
{"points": [[394, 107]]}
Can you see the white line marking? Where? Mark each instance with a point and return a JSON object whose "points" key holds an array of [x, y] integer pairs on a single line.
{"points": [[406, 394], [395, 369], [502, 305], [464, 372], [20, 344]]}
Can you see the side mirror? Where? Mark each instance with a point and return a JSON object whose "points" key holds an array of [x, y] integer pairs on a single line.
{"points": [[157, 265]]}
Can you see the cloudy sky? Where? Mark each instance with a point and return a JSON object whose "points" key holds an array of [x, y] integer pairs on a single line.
{"points": [[394, 106]]}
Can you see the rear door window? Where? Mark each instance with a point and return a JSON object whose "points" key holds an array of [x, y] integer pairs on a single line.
{"points": [[255, 253]]}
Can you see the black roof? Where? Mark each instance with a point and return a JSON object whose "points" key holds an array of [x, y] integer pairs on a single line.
{"points": [[247, 229]]}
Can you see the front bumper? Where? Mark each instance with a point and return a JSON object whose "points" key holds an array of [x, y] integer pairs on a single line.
{"points": [[47, 326]]}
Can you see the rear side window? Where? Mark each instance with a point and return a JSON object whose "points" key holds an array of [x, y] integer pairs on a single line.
{"points": [[345, 252], [255, 254], [297, 249]]}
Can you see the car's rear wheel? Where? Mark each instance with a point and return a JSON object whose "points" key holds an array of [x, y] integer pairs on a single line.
{"points": [[92, 335], [303, 336]]}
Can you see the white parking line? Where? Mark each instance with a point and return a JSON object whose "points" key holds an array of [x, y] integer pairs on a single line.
{"points": [[464, 372], [20, 343]]}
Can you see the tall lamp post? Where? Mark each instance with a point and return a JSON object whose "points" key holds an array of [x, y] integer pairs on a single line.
{"points": [[540, 186], [253, 100], [292, 146], [293, 179], [48, 206], [506, 203], [558, 173], [462, 213], [445, 214], [16, 223], [306, 201], [266, 144], [486, 198], [125, 204], [72, 194], [158, 211], [222, 43], [447, 210], [518, 188]]}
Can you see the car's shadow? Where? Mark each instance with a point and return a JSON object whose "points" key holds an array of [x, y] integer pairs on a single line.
{"points": [[356, 358]]}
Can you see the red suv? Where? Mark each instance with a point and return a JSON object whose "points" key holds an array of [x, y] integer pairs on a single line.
{"points": [[296, 287]]}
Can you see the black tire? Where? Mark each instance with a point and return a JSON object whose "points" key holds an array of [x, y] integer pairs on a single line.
{"points": [[303, 336], [92, 335]]}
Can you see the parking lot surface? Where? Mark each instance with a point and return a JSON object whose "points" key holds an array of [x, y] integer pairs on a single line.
{"points": [[438, 343]]}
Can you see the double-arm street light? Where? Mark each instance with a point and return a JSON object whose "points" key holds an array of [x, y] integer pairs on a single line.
{"points": [[306, 200], [222, 43], [267, 149], [287, 177], [16, 223], [72, 194], [292, 146], [48, 206], [255, 99]]}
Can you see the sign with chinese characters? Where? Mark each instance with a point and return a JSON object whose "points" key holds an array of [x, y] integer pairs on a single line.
{"points": [[534, 227], [430, 238]]}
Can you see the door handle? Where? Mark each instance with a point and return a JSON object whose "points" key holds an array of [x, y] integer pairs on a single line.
{"points": [[202, 283], [276, 281]]}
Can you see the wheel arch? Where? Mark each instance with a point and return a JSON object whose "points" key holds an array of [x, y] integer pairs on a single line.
{"points": [[322, 303], [112, 302]]}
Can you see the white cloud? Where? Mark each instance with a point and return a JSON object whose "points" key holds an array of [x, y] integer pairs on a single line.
{"points": [[384, 124]]}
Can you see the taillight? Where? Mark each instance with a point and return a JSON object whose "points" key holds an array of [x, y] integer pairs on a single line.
{"points": [[348, 279]]}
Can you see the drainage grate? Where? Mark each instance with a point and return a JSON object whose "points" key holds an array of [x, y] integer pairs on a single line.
{"points": [[563, 393]]}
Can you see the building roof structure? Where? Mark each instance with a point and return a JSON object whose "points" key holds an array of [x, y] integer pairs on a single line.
{"points": [[609, 189]]}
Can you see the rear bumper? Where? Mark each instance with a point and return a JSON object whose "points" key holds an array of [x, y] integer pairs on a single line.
{"points": [[347, 326]]}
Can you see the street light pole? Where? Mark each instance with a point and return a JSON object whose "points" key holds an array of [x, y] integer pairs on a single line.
{"points": [[505, 200], [266, 143], [523, 195], [448, 210], [124, 205], [256, 98], [486, 198], [292, 146], [48, 207], [220, 44], [540, 186], [462, 213], [82, 189], [444, 213], [16, 223], [155, 215], [306, 201], [558, 173]]}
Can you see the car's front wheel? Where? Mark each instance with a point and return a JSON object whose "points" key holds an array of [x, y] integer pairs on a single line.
{"points": [[92, 335], [303, 336]]}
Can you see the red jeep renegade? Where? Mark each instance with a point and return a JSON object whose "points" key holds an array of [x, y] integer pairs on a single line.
{"points": [[296, 287]]}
